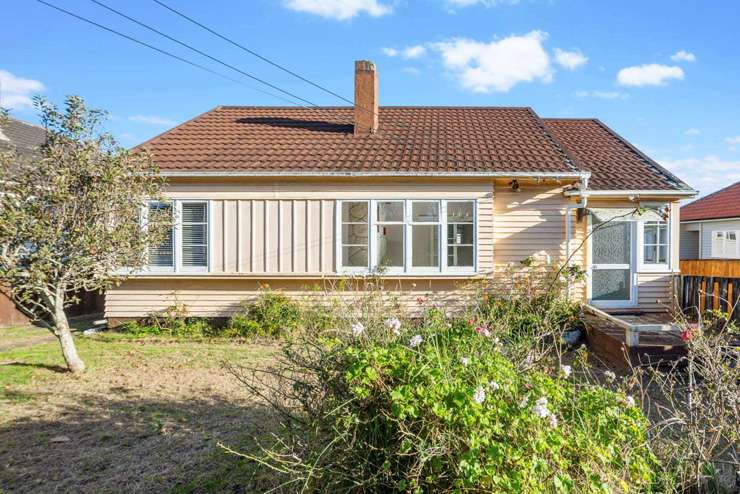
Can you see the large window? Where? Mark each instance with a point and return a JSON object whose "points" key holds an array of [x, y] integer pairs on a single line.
{"points": [[407, 236], [655, 242], [185, 246]]}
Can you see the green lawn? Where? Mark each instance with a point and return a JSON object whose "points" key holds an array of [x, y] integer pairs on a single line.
{"points": [[147, 414]]}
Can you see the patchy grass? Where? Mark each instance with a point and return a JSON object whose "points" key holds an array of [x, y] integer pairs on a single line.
{"points": [[146, 416]]}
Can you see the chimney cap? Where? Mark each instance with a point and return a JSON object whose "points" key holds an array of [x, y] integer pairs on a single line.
{"points": [[364, 65]]}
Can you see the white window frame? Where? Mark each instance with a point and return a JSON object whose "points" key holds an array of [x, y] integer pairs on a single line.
{"points": [[178, 238], [725, 252], [177, 267], [408, 269], [653, 267]]}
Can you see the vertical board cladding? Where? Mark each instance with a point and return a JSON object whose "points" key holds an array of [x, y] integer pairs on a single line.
{"points": [[272, 236]]}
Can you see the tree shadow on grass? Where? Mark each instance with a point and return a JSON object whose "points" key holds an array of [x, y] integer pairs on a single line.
{"points": [[53, 368], [113, 443]]}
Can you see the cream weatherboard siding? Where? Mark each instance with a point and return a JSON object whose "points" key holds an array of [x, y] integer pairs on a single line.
{"points": [[282, 234]]}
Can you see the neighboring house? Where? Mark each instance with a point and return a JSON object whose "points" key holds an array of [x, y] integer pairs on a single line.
{"points": [[710, 226], [24, 138], [438, 196]]}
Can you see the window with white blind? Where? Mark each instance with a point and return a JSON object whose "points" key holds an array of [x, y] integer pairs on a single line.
{"points": [[186, 245], [194, 237], [725, 244], [406, 236]]}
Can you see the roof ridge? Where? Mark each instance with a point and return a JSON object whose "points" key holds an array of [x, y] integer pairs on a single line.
{"points": [[648, 161], [399, 107]]}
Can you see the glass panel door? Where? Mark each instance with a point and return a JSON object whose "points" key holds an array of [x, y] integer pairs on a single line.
{"points": [[611, 265]]}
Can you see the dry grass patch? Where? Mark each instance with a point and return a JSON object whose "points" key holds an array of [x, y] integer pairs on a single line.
{"points": [[146, 417]]}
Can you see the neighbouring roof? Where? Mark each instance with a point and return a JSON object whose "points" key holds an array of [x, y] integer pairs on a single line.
{"points": [[410, 140], [724, 203], [614, 163], [22, 136]]}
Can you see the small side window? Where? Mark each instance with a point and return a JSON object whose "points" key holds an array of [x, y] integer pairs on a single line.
{"points": [[355, 229], [161, 256]]}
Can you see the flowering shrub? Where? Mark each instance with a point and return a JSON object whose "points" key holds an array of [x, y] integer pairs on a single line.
{"points": [[437, 407]]}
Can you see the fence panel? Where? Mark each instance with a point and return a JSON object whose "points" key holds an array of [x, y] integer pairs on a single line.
{"points": [[710, 293]]}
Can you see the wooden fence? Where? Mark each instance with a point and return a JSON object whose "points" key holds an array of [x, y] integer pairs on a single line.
{"points": [[710, 293]]}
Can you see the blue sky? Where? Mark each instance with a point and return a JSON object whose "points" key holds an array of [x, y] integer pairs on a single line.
{"points": [[664, 74]]}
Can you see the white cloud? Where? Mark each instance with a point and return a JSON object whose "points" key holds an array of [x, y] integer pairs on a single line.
{"points": [[16, 92], [683, 56], [693, 131], [570, 60], [412, 70], [409, 53], [153, 120], [734, 142], [649, 75], [339, 9], [499, 65], [705, 174], [602, 94]]}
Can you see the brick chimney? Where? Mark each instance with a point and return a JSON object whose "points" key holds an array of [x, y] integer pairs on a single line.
{"points": [[366, 98]]}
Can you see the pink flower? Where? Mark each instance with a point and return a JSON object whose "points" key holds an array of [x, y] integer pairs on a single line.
{"points": [[482, 330], [420, 300], [686, 335]]}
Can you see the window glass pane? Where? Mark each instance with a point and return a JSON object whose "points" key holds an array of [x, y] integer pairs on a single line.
{"points": [[460, 256], [651, 233], [162, 255], [651, 253], [459, 212], [611, 243], [354, 212], [425, 245], [663, 254], [390, 246], [390, 211], [353, 256], [460, 234], [194, 234], [426, 212], [355, 234], [610, 284]]}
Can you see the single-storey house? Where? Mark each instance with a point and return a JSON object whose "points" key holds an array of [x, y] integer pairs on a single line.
{"points": [[710, 226], [437, 196]]}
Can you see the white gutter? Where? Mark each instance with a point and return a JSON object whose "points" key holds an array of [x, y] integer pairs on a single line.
{"points": [[630, 192], [553, 175]]}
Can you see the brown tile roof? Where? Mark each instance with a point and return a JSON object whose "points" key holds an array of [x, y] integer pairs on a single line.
{"points": [[724, 203], [24, 137], [614, 163], [410, 139]]}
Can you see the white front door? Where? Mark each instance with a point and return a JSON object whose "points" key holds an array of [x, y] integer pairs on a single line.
{"points": [[611, 280]]}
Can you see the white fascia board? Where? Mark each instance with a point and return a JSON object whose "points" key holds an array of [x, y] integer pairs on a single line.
{"points": [[635, 193], [554, 175], [710, 220]]}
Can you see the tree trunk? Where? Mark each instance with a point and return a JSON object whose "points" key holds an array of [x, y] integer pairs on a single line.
{"points": [[62, 331]]}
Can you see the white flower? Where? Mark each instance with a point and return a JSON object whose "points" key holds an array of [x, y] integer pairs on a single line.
{"points": [[553, 420], [540, 407], [496, 340], [394, 325], [524, 402], [493, 385], [358, 329], [529, 359], [465, 361], [566, 369], [480, 395], [415, 341], [630, 401], [610, 376]]}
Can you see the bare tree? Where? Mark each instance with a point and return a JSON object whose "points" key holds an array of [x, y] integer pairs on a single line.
{"points": [[70, 216]]}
